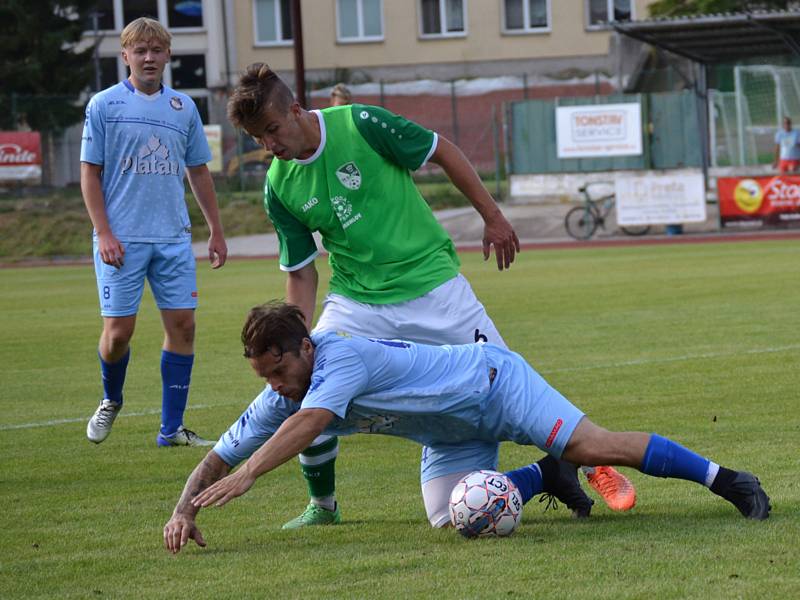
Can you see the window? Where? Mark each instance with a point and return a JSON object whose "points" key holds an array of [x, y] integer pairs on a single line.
{"points": [[109, 75], [185, 13], [442, 18], [133, 9], [188, 74], [174, 14], [202, 107], [521, 16], [273, 22], [600, 12], [188, 71], [359, 20]]}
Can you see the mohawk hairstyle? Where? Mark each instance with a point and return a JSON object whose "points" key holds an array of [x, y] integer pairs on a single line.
{"points": [[259, 88]]}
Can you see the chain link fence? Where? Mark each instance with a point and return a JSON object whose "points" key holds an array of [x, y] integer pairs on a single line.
{"points": [[469, 112]]}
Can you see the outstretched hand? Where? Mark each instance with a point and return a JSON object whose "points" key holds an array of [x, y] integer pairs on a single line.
{"points": [[224, 490], [179, 530], [499, 233]]}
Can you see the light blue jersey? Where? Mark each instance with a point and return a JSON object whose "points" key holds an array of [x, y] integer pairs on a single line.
{"points": [[435, 395], [430, 394], [144, 143], [789, 142]]}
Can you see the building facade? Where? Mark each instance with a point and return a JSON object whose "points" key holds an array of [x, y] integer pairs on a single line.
{"points": [[201, 48], [371, 40]]}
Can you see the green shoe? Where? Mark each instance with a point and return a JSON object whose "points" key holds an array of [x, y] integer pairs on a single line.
{"points": [[315, 515]]}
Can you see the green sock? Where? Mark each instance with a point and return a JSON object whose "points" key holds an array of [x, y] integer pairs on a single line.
{"points": [[318, 464]]}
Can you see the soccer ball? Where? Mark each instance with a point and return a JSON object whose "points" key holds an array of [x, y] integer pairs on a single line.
{"points": [[485, 503]]}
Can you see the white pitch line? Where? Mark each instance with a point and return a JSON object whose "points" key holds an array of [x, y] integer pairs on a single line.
{"points": [[651, 361], [616, 365], [144, 413]]}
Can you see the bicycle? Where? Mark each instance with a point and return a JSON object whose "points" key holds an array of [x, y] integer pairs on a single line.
{"points": [[581, 222]]}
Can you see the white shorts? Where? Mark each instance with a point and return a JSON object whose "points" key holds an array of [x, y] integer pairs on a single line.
{"points": [[448, 314]]}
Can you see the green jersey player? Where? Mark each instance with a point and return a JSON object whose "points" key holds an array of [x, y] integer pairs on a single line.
{"points": [[345, 172]]}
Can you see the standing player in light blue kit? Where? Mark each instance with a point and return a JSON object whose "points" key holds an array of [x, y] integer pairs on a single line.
{"points": [[139, 140], [341, 384]]}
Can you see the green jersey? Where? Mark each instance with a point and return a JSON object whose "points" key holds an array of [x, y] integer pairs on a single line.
{"points": [[384, 244]]}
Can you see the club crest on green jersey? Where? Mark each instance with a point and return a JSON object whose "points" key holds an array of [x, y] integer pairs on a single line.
{"points": [[349, 176], [344, 211], [342, 207]]}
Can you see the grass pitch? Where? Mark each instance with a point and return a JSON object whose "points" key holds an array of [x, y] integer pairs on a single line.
{"points": [[698, 342]]}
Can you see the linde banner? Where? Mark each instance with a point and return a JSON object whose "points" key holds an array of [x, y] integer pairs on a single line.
{"points": [[759, 201], [653, 198], [599, 130], [20, 156]]}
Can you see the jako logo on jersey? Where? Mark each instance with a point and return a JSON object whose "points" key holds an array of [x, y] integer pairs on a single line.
{"points": [[343, 210], [553, 433], [349, 176], [153, 158], [176, 103], [311, 203]]}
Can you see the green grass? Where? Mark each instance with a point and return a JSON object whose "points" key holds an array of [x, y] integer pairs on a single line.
{"points": [[697, 342], [56, 225]]}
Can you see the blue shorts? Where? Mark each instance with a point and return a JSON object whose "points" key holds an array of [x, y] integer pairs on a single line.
{"points": [[523, 408], [170, 269]]}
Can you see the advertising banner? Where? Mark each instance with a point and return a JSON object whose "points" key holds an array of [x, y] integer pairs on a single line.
{"points": [[214, 137], [599, 130], [759, 201], [666, 198], [20, 156]]}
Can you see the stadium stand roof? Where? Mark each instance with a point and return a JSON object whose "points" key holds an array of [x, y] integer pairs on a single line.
{"points": [[721, 38]]}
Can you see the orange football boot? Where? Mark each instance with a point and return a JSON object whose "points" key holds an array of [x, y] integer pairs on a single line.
{"points": [[614, 488]]}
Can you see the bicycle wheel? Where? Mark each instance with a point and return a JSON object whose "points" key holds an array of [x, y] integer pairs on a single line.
{"points": [[581, 222], [635, 229]]}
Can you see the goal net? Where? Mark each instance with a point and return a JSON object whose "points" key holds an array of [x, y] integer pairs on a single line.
{"points": [[745, 121]]}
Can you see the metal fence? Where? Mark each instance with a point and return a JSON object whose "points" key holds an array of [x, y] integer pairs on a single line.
{"points": [[468, 112], [670, 125]]}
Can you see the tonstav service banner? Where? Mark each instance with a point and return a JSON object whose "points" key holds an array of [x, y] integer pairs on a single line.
{"points": [[759, 201]]}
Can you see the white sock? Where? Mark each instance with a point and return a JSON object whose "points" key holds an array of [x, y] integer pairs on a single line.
{"points": [[328, 502], [711, 473]]}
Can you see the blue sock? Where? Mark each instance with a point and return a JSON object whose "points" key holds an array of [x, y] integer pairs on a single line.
{"points": [[176, 373], [113, 376], [528, 481], [665, 458]]}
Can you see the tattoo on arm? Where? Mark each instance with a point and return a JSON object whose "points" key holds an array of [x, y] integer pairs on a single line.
{"points": [[211, 469]]}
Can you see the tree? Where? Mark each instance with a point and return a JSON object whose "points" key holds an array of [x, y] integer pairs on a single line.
{"points": [[681, 8], [43, 73]]}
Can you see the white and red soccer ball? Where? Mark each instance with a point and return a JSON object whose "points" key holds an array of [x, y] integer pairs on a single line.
{"points": [[485, 503]]}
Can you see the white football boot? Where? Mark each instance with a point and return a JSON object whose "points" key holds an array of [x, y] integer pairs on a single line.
{"points": [[99, 425]]}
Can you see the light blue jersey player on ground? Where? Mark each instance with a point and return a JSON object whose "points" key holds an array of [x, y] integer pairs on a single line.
{"points": [[435, 395], [140, 138]]}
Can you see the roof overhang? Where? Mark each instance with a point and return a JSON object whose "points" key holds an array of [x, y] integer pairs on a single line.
{"points": [[722, 38]]}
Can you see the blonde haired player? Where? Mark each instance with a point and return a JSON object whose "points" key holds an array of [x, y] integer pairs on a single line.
{"points": [[139, 140]]}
